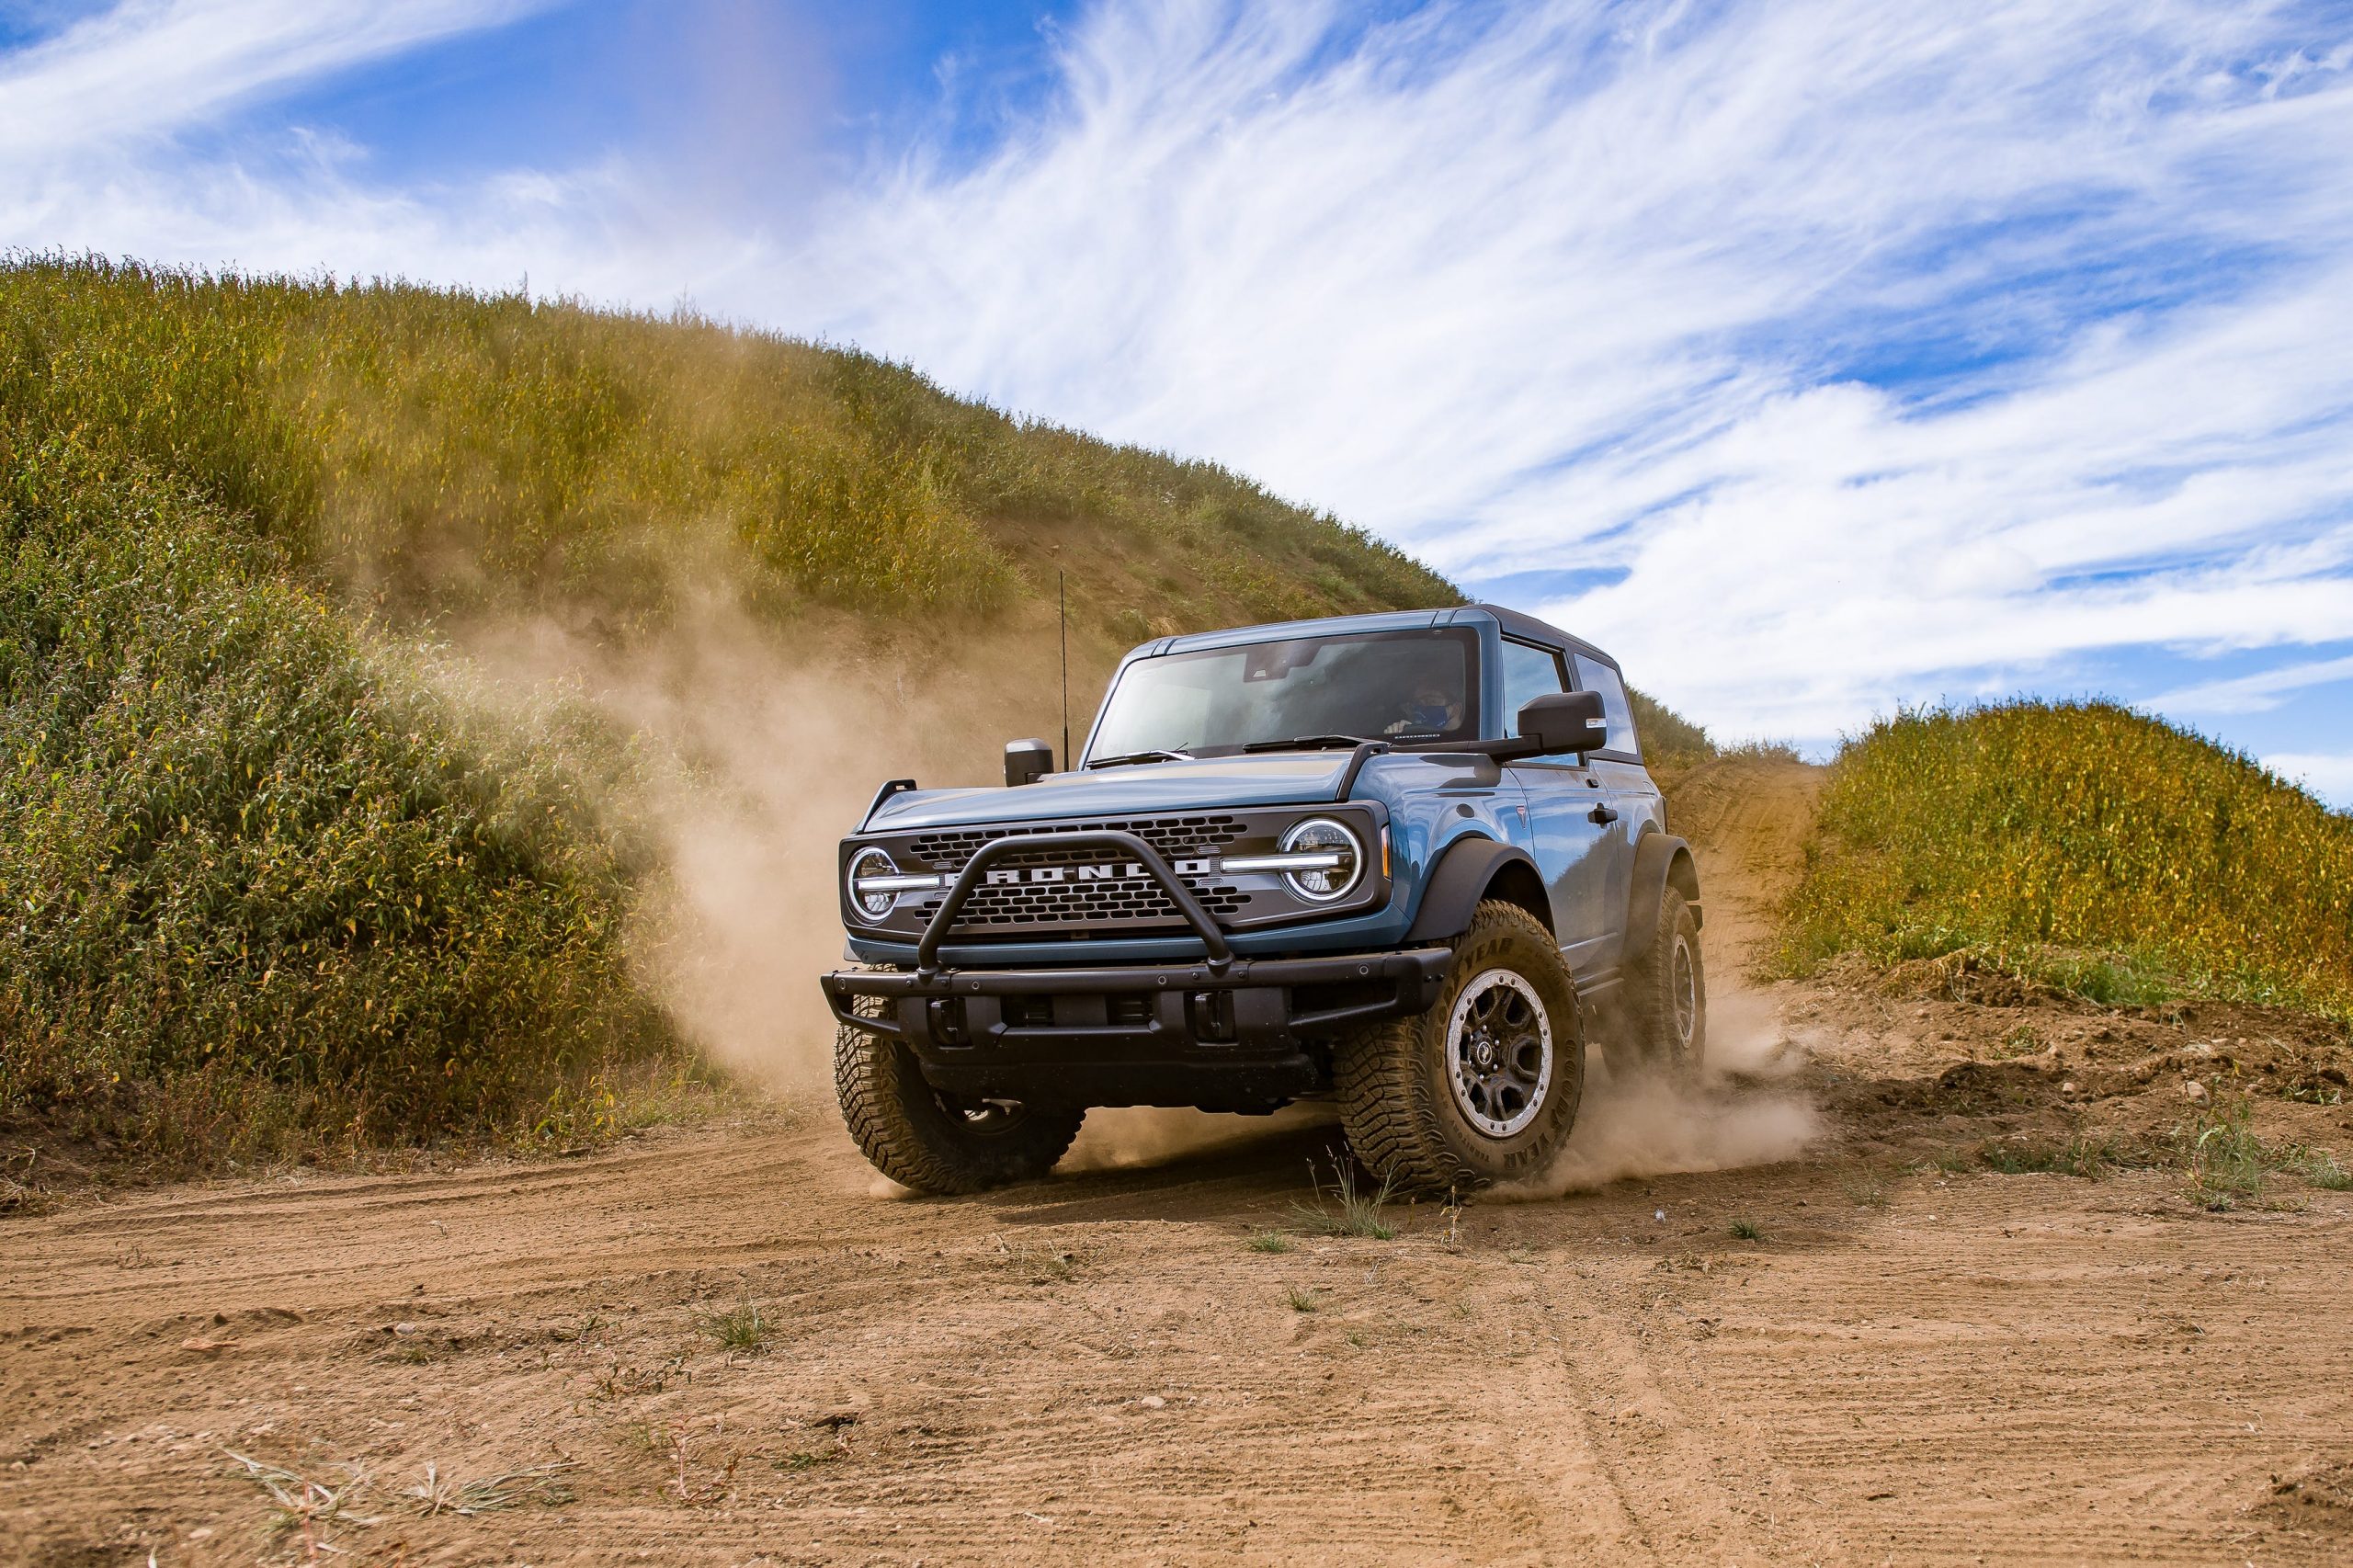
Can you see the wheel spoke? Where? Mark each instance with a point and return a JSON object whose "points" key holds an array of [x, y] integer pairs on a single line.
{"points": [[1528, 1060]]}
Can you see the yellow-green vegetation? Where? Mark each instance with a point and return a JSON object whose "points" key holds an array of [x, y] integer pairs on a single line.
{"points": [[261, 889], [441, 449], [2227, 1163], [2084, 846]]}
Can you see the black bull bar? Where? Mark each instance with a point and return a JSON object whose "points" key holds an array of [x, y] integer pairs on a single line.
{"points": [[1217, 1030]]}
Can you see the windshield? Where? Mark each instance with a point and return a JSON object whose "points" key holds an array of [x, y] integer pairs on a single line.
{"points": [[1399, 686]]}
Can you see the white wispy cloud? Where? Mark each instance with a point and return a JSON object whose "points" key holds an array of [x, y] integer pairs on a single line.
{"points": [[1859, 352], [150, 67], [2262, 690]]}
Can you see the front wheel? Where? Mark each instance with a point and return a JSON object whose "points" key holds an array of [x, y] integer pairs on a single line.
{"points": [[934, 1142], [1484, 1087]]}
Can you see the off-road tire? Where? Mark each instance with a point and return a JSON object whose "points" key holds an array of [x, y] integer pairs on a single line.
{"points": [[1661, 1043], [918, 1139], [1396, 1100]]}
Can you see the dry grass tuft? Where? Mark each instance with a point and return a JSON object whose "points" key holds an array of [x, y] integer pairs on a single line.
{"points": [[742, 1329], [2079, 1154], [2225, 1163], [305, 1505], [1867, 1191], [1042, 1264], [1346, 1210], [543, 1485], [2321, 1169]]}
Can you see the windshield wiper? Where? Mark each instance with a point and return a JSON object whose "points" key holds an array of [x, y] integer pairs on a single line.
{"points": [[1311, 742], [1126, 757]]}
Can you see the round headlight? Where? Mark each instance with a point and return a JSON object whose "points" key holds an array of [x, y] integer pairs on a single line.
{"points": [[1337, 849], [870, 861]]}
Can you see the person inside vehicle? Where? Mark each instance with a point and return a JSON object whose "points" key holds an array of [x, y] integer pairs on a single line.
{"points": [[1431, 712]]}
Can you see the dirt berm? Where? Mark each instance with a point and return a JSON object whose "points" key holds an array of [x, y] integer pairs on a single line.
{"points": [[1849, 1354]]}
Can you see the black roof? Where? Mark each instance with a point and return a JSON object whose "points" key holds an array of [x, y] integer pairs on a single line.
{"points": [[1527, 626]]}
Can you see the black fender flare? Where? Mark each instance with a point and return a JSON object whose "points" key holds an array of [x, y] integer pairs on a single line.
{"points": [[1661, 860], [1451, 896]]}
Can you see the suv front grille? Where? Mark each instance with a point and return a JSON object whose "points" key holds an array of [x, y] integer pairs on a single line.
{"points": [[1134, 901], [1124, 906]]}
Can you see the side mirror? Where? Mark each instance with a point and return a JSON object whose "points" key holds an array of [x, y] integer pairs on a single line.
{"points": [[1564, 722], [1026, 761]]}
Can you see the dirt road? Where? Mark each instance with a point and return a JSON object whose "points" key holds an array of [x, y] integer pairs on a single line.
{"points": [[1900, 1364]]}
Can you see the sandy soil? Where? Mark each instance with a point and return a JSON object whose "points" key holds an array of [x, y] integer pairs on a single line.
{"points": [[1903, 1365]]}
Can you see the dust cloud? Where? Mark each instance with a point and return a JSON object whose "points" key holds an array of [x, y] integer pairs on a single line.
{"points": [[1741, 1111], [755, 747]]}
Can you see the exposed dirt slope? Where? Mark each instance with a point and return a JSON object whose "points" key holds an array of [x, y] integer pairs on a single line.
{"points": [[1988, 1368]]}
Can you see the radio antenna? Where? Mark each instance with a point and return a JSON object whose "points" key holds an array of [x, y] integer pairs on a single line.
{"points": [[1061, 601]]}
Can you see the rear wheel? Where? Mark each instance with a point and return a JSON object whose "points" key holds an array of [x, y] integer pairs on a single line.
{"points": [[937, 1143], [1484, 1087], [1667, 996]]}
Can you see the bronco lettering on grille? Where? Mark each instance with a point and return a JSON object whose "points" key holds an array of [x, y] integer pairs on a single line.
{"points": [[1109, 871]]}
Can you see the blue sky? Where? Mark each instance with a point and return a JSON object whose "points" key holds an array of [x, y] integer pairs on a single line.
{"points": [[1816, 356]]}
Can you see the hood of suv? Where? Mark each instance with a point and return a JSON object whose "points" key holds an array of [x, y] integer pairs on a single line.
{"points": [[1209, 784]]}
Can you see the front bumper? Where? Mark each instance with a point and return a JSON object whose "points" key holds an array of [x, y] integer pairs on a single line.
{"points": [[1231, 1034]]}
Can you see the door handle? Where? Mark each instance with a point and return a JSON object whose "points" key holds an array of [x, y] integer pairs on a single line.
{"points": [[1601, 815]]}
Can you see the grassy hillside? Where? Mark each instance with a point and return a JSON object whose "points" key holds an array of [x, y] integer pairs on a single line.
{"points": [[2085, 845], [442, 451], [272, 882]]}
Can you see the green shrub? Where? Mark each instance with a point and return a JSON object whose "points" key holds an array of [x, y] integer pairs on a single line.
{"points": [[2083, 843], [261, 889]]}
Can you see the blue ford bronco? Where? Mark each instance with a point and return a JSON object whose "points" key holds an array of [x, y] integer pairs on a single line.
{"points": [[1411, 862]]}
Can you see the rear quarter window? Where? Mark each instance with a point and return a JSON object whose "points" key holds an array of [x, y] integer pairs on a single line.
{"points": [[1594, 676]]}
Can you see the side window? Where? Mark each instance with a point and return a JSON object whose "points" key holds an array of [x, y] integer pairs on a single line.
{"points": [[1528, 671], [1594, 676]]}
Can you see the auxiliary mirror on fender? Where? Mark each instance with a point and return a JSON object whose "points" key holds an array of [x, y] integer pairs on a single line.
{"points": [[1026, 761], [1560, 721]]}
